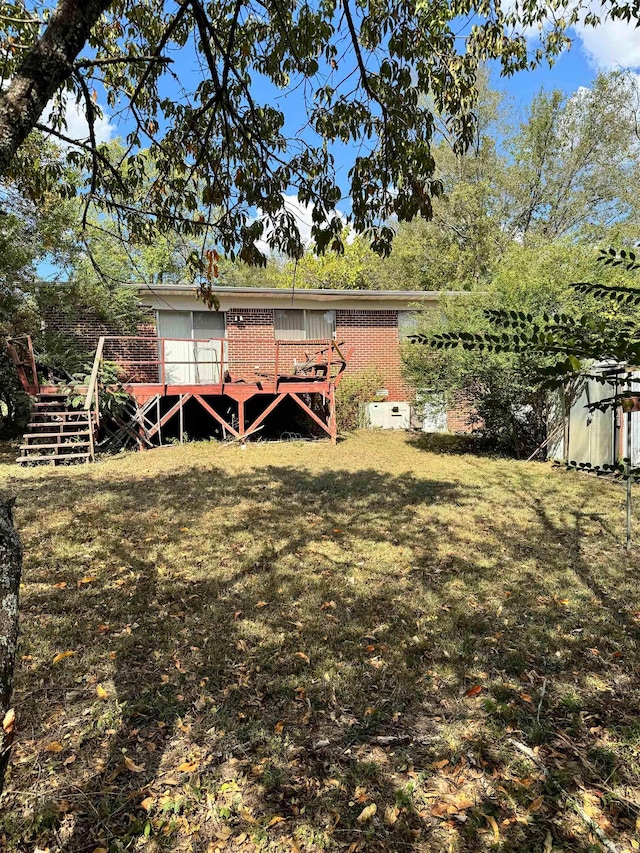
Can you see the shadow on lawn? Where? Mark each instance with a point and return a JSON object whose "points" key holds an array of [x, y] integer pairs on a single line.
{"points": [[261, 648]]}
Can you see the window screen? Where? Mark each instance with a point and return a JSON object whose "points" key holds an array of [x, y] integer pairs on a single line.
{"points": [[295, 325]]}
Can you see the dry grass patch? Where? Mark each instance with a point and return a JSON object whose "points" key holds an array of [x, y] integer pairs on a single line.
{"points": [[301, 647]]}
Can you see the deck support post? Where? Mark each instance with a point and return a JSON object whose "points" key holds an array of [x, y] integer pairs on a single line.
{"points": [[241, 418], [158, 419], [333, 423], [181, 419]]}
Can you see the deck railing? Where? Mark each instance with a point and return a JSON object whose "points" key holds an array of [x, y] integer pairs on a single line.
{"points": [[214, 361]]}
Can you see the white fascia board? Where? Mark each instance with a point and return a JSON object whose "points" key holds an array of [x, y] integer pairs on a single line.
{"points": [[183, 299]]}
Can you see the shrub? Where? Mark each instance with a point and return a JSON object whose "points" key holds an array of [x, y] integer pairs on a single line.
{"points": [[353, 391]]}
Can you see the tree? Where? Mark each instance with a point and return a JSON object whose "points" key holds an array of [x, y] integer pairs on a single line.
{"points": [[503, 386], [570, 347], [219, 153], [574, 168]]}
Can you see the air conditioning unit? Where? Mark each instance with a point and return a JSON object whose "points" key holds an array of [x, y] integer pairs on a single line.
{"points": [[389, 415]]}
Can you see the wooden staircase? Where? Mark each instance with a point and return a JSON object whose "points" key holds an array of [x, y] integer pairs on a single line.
{"points": [[58, 434]]}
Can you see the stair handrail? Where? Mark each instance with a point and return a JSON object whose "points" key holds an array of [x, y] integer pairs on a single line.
{"points": [[92, 389]]}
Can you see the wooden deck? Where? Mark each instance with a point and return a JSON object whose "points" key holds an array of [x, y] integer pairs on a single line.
{"points": [[160, 376]]}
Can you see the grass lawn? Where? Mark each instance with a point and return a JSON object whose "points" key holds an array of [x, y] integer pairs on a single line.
{"points": [[300, 647]]}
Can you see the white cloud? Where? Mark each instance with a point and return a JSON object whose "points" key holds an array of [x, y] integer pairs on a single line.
{"points": [[612, 44], [77, 125]]}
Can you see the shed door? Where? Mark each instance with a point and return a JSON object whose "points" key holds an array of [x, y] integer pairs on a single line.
{"points": [[174, 328]]}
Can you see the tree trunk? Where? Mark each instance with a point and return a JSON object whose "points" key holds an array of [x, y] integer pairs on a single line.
{"points": [[45, 67], [10, 571]]}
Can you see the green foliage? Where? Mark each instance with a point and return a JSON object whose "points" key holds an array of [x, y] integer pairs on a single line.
{"points": [[112, 397], [354, 391], [219, 150], [502, 385], [556, 347]]}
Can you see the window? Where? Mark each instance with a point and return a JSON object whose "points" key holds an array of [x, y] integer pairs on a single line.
{"points": [[407, 323], [198, 325], [292, 324], [208, 324]]}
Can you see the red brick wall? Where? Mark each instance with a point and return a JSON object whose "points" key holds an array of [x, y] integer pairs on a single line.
{"points": [[250, 347], [87, 327], [374, 337], [461, 416]]}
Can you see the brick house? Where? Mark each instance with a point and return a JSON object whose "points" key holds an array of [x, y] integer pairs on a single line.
{"points": [[262, 349]]}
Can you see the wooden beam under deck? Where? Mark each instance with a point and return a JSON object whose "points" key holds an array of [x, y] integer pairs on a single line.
{"points": [[235, 390]]}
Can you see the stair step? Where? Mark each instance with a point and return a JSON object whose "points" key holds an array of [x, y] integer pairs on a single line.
{"points": [[29, 435], [59, 417], [41, 404], [59, 446], [54, 459]]}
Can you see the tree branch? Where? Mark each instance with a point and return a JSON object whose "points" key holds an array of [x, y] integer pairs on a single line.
{"points": [[120, 60], [45, 67]]}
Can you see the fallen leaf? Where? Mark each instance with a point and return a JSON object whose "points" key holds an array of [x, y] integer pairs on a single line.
{"points": [[536, 804], [460, 804], [9, 721], [474, 691], [102, 693], [188, 767], [62, 655], [184, 530], [147, 804], [130, 764], [54, 746], [70, 760], [367, 813], [440, 764], [304, 657], [526, 697], [274, 820], [224, 833], [60, 585], [100, 850], [548, 843], [261, 604], [87, 579], [494, 826], [391, 815]]}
